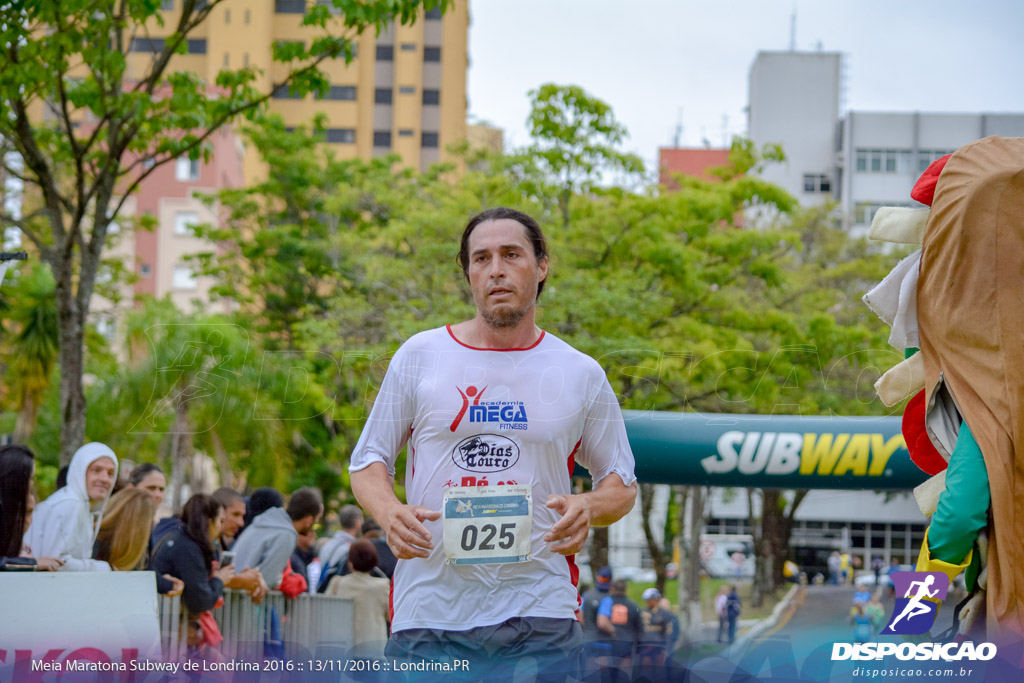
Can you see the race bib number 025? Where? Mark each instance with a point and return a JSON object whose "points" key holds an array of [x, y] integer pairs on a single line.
{"points": [[487, 524]]}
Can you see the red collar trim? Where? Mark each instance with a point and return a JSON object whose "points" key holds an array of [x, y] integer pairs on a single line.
{"points": [[476, 348]]}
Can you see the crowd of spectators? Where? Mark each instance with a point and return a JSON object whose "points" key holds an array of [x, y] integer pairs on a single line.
{"points": [[96, 521]]}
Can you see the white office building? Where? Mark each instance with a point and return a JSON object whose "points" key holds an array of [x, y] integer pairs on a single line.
{"points": [[863, 160]]}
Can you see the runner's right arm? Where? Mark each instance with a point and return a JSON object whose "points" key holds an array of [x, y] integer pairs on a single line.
{"points": [[372, 467], [374, 488]]}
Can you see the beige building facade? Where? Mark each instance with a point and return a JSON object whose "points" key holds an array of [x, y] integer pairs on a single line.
{"points": [[403, 92]]}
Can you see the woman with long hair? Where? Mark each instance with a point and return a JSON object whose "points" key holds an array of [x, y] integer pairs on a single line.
{"points": [[17, 464], [124, 532], [187, 553]]}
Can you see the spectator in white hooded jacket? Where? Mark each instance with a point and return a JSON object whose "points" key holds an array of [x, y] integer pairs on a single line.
{"points": [[65, 524]]}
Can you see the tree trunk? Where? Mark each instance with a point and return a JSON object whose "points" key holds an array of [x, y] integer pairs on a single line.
{"points": [[71, 355], [690, 618], [683, 589], [656, 552], [181, 450], [563, 205], [25, 423], [762, 551], [782, 530]]}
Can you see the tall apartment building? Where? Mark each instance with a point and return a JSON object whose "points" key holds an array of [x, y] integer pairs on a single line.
{"points": [[404, 92], [864, 160], [173, 196]]}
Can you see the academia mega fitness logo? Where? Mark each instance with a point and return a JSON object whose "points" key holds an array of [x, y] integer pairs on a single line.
{"points": [[914, 614], [504, 415]]}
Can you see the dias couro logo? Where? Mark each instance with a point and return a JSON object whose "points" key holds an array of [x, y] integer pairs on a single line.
{"points": [[484, 453]]}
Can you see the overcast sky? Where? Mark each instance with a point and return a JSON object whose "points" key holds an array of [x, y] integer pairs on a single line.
{"points": [[659, 62]]}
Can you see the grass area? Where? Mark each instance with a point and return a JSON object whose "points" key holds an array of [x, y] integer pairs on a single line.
{"points": [[708, 590]]}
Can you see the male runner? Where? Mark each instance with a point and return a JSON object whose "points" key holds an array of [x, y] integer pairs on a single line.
{"points": [[494, 412]]}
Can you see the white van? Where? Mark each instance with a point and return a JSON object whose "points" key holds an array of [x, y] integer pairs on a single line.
{"points": [[717, 551]]}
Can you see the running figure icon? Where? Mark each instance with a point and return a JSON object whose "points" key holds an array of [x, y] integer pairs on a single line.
{"points": [[914, 607]]}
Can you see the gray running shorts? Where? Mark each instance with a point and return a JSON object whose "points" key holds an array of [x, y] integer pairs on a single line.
{"points": [[517, 649]]}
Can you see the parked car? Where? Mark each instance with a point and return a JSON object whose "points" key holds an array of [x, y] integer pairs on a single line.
{"points": [[717, 554]]}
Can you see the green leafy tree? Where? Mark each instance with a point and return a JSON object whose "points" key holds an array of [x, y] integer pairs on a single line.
{"points": [[106, 129], [575, 140], [31, 346], [193, 383]]}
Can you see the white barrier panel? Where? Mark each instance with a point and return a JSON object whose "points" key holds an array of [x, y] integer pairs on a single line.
{"points": [[54, 614]]}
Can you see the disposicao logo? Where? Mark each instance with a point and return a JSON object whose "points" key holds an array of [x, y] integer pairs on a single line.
{"points": [[915, 612]]}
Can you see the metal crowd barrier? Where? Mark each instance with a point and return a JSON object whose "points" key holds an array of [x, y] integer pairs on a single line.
{"points": [[307, 624]]}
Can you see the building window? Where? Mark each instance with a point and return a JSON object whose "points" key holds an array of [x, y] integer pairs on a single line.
{"points": [[145, 270], [382, 138], [385, 53], [290, 6], [407, 90], [227, 16], [186, 169], [431, 54], [341, 92], [406, 133], [182, 277], [148, 163], [248, 16], [183, 220], [433, 13], [284, 92], [227, 60], [382, 96], [429, 140], [341, 135], [431, 97], [167, 5], [814, 182], [883, 161], [197, 46], [147, 45], [408, 47], [245, 59]]}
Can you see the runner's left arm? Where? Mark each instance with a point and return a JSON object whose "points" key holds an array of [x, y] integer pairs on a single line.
{"points": [[604, 450]]}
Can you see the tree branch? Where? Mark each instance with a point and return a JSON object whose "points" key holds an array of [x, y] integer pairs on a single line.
{"points": [[46, 250]]}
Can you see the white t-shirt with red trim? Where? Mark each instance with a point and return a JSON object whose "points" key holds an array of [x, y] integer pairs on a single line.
{"points": [[542, 408]]}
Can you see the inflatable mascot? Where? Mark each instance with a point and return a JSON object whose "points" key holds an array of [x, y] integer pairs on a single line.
{"points": [[956, 307]]}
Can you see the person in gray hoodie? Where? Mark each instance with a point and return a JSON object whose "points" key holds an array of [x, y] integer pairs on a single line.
{"points": [[65, 524], [268, 542]]}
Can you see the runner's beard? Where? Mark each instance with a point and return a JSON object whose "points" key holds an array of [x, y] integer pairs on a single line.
{"points": [[504, 316]]}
